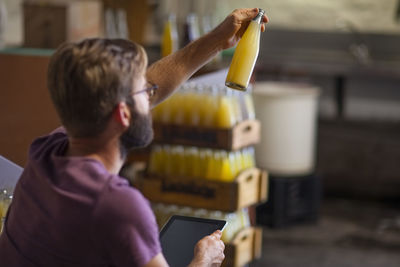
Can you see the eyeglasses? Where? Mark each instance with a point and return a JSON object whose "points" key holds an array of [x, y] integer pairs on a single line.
{"points": [[150, 89]]}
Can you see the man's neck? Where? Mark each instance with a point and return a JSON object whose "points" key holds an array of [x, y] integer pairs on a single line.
{"points": [[101, 148]]}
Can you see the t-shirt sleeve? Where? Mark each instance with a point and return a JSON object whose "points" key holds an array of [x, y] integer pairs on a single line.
{"points": [[125, 226]]}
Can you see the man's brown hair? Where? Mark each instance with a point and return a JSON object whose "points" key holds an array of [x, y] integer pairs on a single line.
{"points": [[86, 81]]}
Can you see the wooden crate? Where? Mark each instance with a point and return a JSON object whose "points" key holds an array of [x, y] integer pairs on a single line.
{"points": [[243, 134], [249, 187], [48, 23], [244, 248]]}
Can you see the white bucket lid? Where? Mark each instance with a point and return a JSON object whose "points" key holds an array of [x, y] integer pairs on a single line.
{"points": [[284, 89]]}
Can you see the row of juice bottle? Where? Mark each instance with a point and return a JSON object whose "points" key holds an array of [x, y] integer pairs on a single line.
{"points": [[236, 221], [5, 201], [199, 105], [212, 164]]}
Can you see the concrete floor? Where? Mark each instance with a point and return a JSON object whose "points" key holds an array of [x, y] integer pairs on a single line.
{"points": [[349, 233]]}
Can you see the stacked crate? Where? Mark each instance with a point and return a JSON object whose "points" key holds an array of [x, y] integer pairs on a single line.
{"points": [[247, 188]]}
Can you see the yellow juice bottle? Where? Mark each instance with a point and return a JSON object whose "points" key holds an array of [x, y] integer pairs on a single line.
{"points": [[178, 108], [154, 160], [168, 160], [210, 161], [208, 107], [227, 174], [186, 107], [165, 111], [237, 112], [205, 162], [239, 161], [227, 234], [192, 110], [193, 104], [245, 55], [169, 42], [225, 117], [252, 157], [172, 107], [191, 154], [214, 166], [232, 164], [196, 169], [180, 160], [246, 159], [249, 103], [244, 217]]}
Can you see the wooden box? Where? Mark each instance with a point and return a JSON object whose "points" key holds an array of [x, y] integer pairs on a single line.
{"points": [[243, 134], [48, 23], [249, 187], [244, 248]]}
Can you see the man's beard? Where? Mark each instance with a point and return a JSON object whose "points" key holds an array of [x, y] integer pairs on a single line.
{"points": [[139, 134]]}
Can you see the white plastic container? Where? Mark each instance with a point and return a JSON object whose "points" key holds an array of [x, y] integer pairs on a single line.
{"points": [[287, 112]]}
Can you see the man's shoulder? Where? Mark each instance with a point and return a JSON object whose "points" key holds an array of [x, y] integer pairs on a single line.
{"points": [[121, 200], [47, 143]]}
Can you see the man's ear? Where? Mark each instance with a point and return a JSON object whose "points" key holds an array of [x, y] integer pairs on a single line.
{"points": [[122, 114]]}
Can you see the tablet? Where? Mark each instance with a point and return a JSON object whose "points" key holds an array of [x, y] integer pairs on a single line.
{"points": [[180, 234], [9, 173]]}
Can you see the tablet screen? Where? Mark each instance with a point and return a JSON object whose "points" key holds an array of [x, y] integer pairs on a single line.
{"points": [[181, 233]]}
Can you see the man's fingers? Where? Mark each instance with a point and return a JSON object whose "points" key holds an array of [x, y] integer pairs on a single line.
{"points": [[218, 233], [245, 14], [265, 19]]}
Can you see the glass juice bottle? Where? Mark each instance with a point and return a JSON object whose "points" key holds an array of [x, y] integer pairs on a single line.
{"points": [[245, 55], [170, 37]]}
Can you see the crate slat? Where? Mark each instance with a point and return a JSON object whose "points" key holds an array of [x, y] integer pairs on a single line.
{"points": [[243, 134]]}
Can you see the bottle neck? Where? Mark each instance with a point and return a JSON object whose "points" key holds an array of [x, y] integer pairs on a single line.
{"points": [[259, 16]]}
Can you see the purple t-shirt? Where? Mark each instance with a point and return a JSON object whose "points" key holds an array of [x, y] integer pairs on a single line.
{"points": [[70, 211]]}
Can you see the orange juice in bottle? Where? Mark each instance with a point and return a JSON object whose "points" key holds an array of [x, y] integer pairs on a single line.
{"points": [[205, 161], [214, 170], [180, 160], [154, 160], [208, 108], [162, 159], [191, 155], [169, 42], [237, 111], [249, 103], [225, 116], [239, 161], [165, 111], [168, 161], [193, 104], [178, 108], [245, 55], [227, 174], [210, 164], [200, 166], [186, 105], [252, 157], [232, 164]]}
